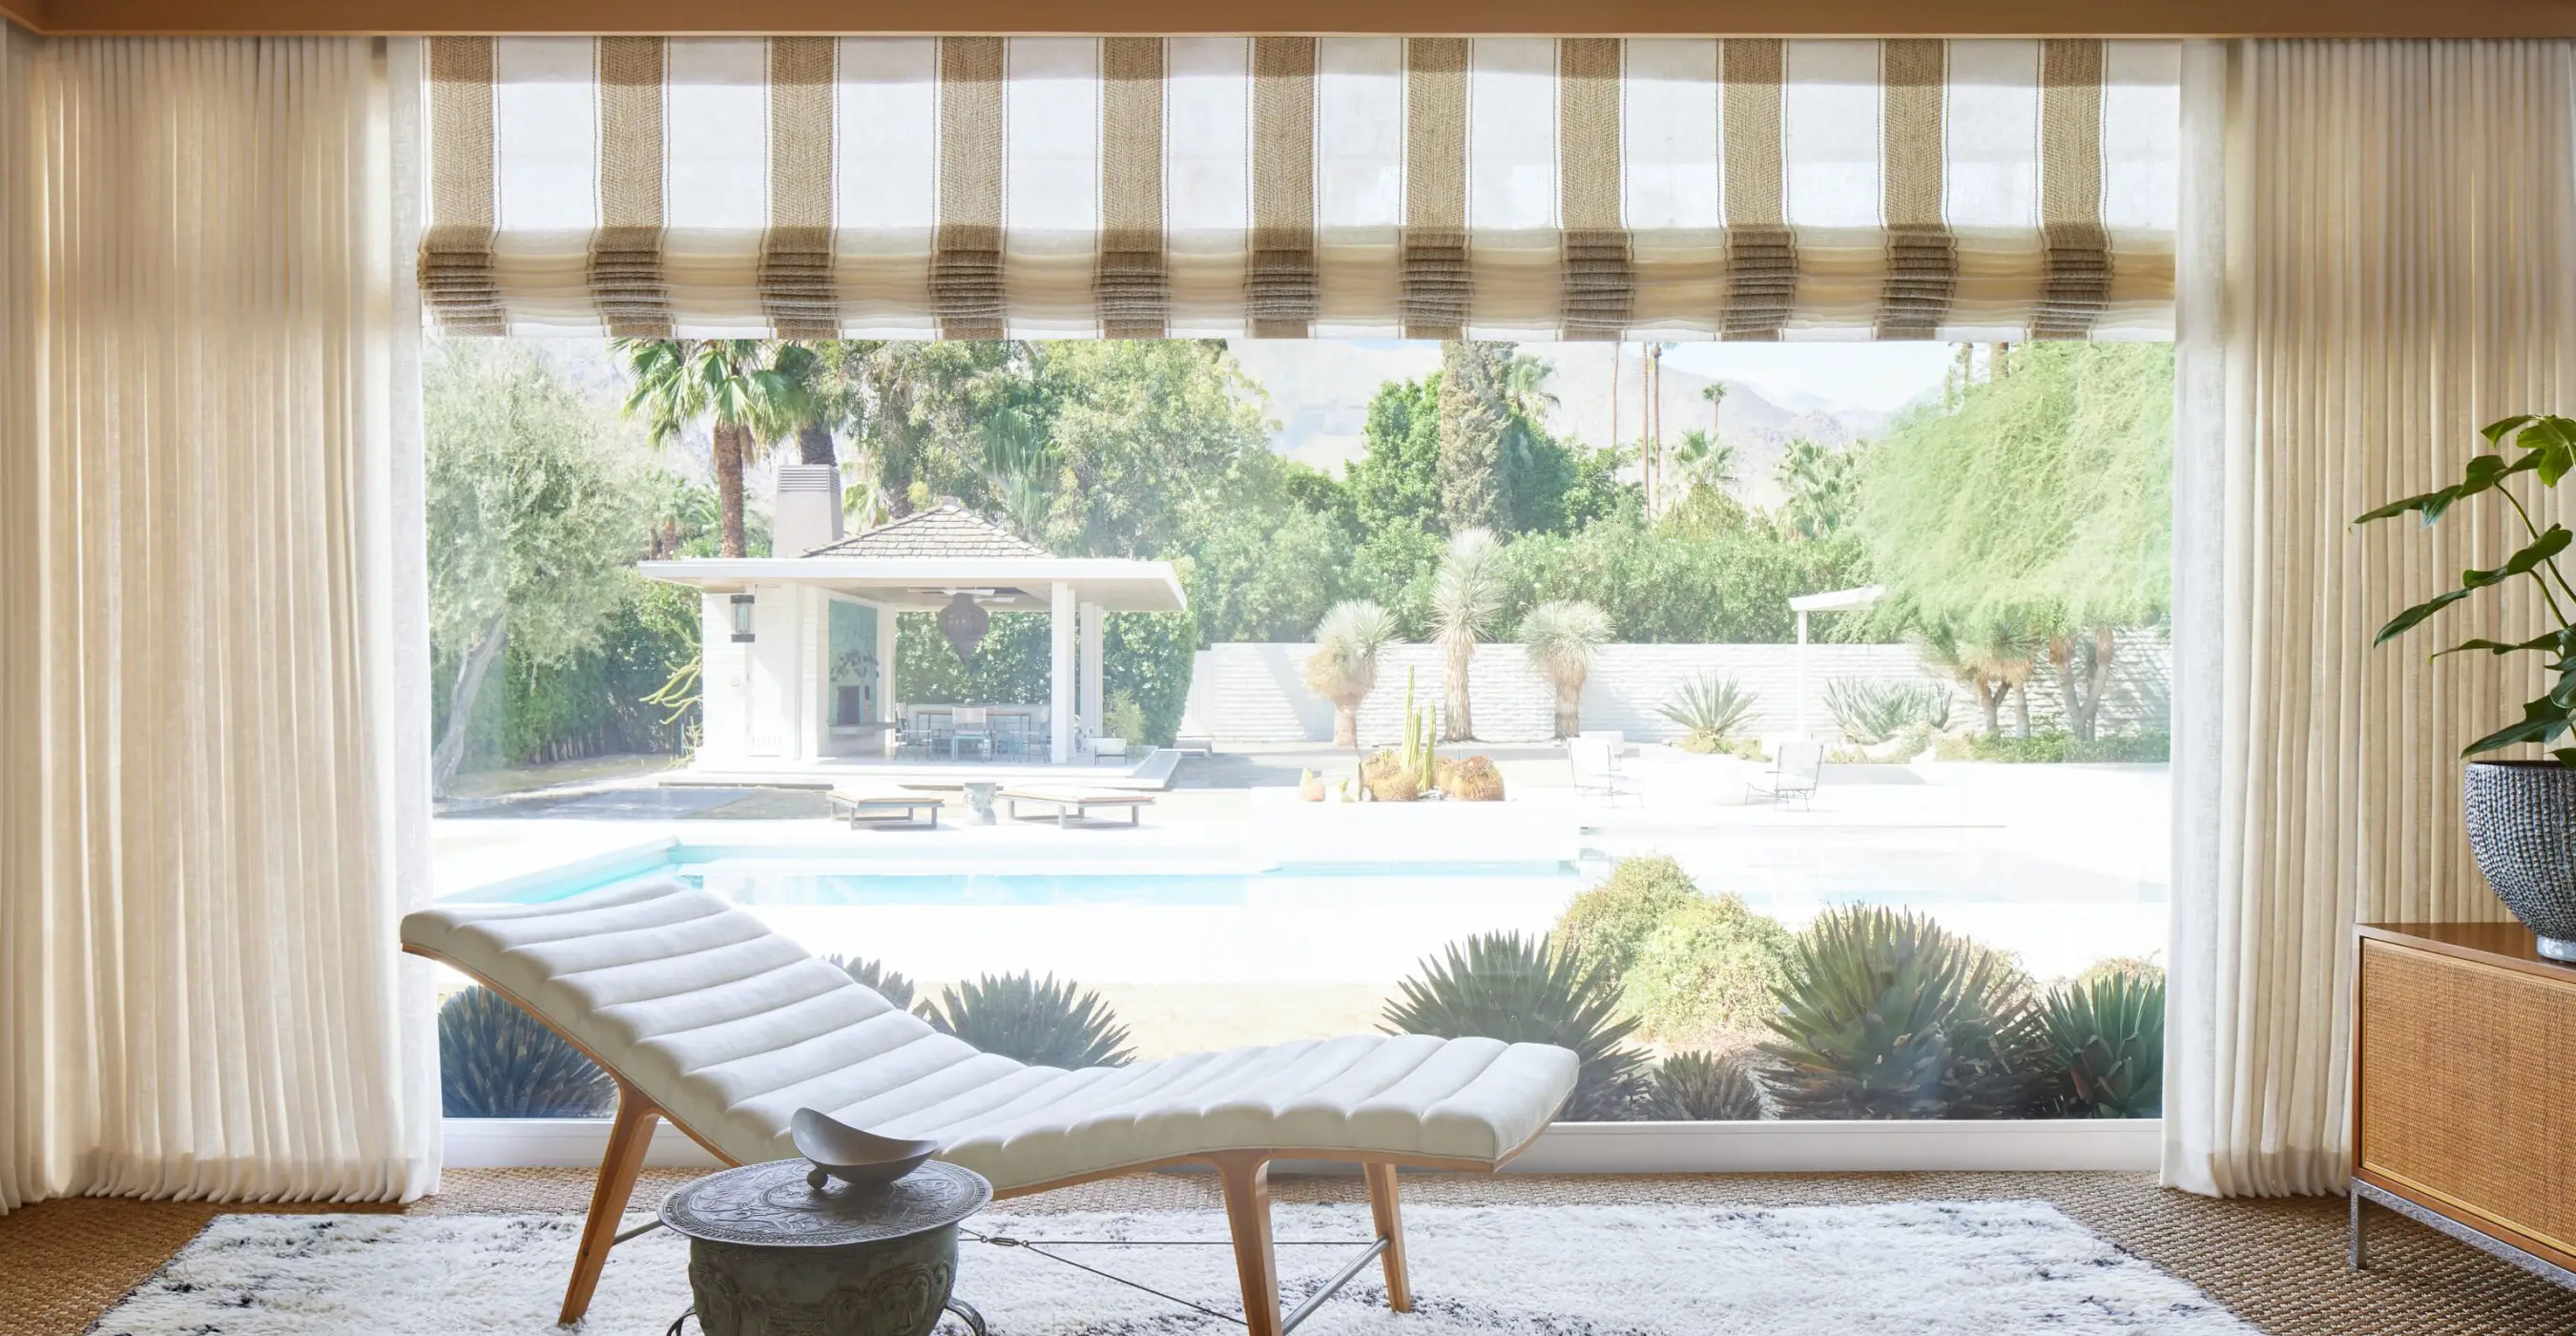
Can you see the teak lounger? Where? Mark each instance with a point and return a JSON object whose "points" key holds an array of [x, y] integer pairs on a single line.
{"points": [[1076, 804], [879, 806], [707, 1018]]}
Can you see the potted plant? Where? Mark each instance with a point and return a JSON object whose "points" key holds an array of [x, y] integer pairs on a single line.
{"points": [[2521, 814]]}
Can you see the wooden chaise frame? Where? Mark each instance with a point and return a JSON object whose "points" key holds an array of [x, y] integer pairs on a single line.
{"points": [[1243, 1176]]}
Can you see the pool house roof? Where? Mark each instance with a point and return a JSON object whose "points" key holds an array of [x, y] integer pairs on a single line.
{"points": [[925, 559]]}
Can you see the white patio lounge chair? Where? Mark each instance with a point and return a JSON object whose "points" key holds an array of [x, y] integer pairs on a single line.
{"points": [[707, 1018], [1073, 805], [913, 808]]}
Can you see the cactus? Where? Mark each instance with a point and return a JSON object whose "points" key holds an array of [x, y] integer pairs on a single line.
{"points": [[1420, 757]]}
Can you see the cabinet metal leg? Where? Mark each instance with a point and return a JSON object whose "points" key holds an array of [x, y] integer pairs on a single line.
{"points": [[2360, 1251]]}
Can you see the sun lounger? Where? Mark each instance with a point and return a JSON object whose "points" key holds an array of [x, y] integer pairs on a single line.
{"points": [[1076, 804], [707, 1018], [920, 809]]}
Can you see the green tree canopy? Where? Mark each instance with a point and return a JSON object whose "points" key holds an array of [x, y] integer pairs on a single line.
{"points": [[2041, 498], [535, 515]]}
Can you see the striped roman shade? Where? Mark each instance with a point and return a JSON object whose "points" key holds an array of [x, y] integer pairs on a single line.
{"points": [[978, 187]]}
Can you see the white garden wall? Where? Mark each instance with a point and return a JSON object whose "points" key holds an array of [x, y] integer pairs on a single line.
{"points": [[1253, 692]]}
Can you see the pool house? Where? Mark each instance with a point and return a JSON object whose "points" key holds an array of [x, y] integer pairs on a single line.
{"points": [[797, 666]]}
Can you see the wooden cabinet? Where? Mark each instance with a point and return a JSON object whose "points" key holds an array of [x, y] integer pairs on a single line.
{"points": [[2464, 1088]]}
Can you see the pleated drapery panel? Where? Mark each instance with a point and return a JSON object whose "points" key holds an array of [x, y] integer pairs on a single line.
{"points": [[2377, 262], [972, 187], [203, 848]]}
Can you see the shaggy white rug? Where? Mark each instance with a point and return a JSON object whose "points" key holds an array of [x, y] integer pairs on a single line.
{"points": [[1952, 1268]]}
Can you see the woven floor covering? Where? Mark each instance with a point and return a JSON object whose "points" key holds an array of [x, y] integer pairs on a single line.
{"points": [[2276, 1265]]}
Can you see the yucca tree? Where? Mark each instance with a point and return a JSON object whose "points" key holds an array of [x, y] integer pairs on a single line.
{"points": [[1343, 668], [1994, 661], [1562, 638], [1466, 601], [748, 392], [1525, 990]]}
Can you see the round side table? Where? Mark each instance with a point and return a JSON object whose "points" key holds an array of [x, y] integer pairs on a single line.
{"points": [[771, 1255]]}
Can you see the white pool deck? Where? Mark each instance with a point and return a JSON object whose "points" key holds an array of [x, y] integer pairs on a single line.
{"points": [[2062, 864]]}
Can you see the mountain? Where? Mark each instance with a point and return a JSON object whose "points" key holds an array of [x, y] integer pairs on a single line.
{"points": [[1319, 393]]}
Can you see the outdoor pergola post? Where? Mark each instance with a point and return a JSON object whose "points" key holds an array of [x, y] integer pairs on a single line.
{"points": [[1060, 684], [1839, 600]]}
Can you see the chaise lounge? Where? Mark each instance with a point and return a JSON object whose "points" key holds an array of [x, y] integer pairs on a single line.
{"points": [[707, 1018]]}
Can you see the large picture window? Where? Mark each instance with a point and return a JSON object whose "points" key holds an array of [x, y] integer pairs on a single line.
{"points": [[1660, 547]]}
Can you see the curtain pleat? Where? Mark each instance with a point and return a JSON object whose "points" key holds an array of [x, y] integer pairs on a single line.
{"points": [[205, 724], [2376, 261], [1121, 187]]}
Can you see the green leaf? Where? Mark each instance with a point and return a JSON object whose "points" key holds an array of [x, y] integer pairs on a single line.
{"points": [[2565, 755], [2550, 543], [2496, 431], [2431, 503], [2406, 621], [2542, 721], [2546, 643]]}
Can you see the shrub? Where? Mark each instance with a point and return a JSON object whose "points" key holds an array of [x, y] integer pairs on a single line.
{"points": [[1526, 991], [2053, 747], [1042, 1023], [1710, 970], [1709, 708], [1883, 1014], [2106, 1045], [872, 974], [1606, 925], [1871, 711], [496, 1061], [1121, 717], [1699, 1086]]}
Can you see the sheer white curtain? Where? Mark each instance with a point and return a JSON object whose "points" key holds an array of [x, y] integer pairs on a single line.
{"points": [[212, 728], [2375, 260]]}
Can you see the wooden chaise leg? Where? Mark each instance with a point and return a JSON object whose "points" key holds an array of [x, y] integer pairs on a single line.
{"points": [[1390, 1227], [628, 1138], [1245, 1175]]}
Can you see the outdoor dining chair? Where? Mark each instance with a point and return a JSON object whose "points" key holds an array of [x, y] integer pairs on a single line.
{"points": [[973, 731], [1795, 775], [1010, 735]]}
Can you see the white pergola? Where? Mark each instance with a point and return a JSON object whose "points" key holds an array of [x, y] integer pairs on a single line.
{"points": [[1839, 600], [1001, 573]]}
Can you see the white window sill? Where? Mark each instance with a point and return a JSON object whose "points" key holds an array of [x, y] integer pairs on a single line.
{"points": [[2130, 1144]]}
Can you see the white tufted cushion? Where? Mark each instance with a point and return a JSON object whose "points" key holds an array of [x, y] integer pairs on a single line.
{"points": [[732, 1028]]}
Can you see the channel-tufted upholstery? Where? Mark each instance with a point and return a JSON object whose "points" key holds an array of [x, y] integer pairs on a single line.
{"points": [[731, 1028]]}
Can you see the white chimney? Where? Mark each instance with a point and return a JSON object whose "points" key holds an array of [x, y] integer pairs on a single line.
{"points": [[809, 509]]}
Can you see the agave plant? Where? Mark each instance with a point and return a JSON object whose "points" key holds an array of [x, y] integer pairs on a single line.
{"points": [[1870, 711], [873, 974], [2106, 1035], [496, 1061], [1040, 1022], [1562, 638], [1525, 990], [1343, 667], [1883, 1014], [1700, 1086], [1466, 598], [1708, 708]]}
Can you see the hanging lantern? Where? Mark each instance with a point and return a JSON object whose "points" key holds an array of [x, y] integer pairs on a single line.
{"points": [[964, 621]]}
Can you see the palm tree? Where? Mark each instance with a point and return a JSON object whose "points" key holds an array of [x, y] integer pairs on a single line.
{"points": [[1466, 597], [1705, 463], [1561, 639], [1020, 466], [1818, 482], [1715, 393], [1343, 667], [748, 392]]}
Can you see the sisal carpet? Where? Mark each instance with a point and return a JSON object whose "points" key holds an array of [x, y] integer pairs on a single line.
{"points": [[1899, 1268], [2277, 1264]]}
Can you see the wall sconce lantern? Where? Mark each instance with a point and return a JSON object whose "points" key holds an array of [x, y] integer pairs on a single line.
{"points": [[742, 618]]}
